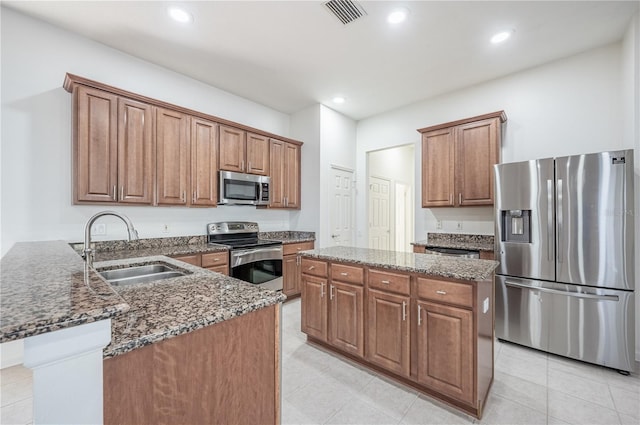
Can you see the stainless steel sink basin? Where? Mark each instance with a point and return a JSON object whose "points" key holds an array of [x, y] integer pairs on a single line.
{"points": [[140, 274]]}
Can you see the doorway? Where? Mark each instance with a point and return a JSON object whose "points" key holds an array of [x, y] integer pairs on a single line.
{"points": [[391, 187]]}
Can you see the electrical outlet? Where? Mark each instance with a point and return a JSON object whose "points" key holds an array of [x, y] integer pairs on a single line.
{"points": [[439, 224], [99, 229], [165, 228], [459, 225]]}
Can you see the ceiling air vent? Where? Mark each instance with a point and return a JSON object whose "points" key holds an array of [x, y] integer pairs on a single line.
{"points": [[346, 11]]}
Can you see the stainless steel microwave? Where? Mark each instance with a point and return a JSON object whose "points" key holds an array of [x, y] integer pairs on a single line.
{"points": [[243, 189]]}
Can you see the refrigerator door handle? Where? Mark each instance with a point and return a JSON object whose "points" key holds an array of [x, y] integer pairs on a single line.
{"points": [[560, 221], [550, 238], [568, 294]]}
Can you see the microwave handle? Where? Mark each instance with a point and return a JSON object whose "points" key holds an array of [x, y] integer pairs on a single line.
{"points": [[259, 192]]}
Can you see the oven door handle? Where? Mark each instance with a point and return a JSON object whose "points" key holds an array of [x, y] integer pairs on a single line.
{"points": [[246, 256]]}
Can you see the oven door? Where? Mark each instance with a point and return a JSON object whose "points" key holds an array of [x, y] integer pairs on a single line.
{"points": [[259, 266]]}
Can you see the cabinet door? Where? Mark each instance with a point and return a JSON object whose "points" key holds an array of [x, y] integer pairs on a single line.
{"points": [[292, 175], [257, 154], [445, 350], [290, 275], [204, 173], [135, 152], [314, 306], [388, 331], [276, 159], [172, 144], [232, 149], [477, 150], [346, 317], [95, 146], [438, 168]]}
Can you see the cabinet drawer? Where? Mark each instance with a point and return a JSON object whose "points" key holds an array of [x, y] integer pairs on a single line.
{"points": [[348, 274], [214, 259], [313, 267], [219, 269], [194, 259], [387, 281], [447, 292], [294, 248]]}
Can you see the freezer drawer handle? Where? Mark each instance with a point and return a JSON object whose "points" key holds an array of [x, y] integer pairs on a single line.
{"points": [[568, 294]]}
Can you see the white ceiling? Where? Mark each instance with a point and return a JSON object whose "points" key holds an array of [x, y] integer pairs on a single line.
{"points": [[292, 54]]}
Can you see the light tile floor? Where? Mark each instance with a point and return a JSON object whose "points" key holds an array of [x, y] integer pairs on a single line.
{"points": [[318, 387]]}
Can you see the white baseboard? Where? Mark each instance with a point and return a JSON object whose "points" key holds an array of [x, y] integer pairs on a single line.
{"points": [[11, 353]]}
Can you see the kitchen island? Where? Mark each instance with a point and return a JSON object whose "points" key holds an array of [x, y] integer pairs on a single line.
{"points": [[423, 320], [176, 350]]}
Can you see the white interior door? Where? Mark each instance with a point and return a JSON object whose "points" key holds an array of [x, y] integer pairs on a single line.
{"points": [[341, 207], [379, 213], [403, 217]]}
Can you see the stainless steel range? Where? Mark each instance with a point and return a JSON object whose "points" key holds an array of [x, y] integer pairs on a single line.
{"points": [[257, 261]]}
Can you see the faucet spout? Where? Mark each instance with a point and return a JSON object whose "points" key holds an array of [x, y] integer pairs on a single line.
{"points": [[87, 253]]}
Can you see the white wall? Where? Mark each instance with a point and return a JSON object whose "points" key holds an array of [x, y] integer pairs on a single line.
{"points": [[631, 134], [36, 134], [566, 107], [337, 140]]}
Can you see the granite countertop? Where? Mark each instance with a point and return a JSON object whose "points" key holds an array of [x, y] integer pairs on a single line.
{"points": [[170, 307], [435, 265], [459, 241], [289, 236], [43, 288]]}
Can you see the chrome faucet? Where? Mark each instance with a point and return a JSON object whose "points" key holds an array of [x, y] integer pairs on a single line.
{"points": [[87, 253]]}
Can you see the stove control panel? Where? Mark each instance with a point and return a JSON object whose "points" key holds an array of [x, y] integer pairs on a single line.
{"points": [[232, 227]]}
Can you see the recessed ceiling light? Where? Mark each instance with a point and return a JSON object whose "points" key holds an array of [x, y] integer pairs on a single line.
{"points": [[398, 15], [338, 99], [500, 37], [180, 15]]}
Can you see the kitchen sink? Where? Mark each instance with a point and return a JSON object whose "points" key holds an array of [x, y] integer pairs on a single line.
{"points": [[140, 274]]}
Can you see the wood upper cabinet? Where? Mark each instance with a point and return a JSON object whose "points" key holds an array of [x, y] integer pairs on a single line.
{"points": [[243, 152], [388, 333], [285, 174], [204, 174], [458, 159], [113, 149], [445, 352], [173, 157]]}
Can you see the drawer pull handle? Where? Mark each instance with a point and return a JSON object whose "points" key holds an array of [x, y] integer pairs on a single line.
{"points": [[404, 311], [419, 314], [331, 292], [322, 290], [344, 274], [311, 267], [441, 292], [386, 282]]}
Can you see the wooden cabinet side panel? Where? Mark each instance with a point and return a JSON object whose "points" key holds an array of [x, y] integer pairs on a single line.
{"points": [[292, 175], [95, 146], [276, 159], [445, 350], [257, 154], [476, 153], [232, 149], [314, 306], [135, 152], [347, 318], [204, 171], [438, 168], [225, 374], [172, 145], [388, 333]]}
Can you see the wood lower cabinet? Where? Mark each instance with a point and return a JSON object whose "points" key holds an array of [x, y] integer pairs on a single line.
{"points": [[214, 261], [285, 174], [388, 337], [445, 349], [458, 159], [113, 149], [291, 267], [431, 333], [226, 373]]}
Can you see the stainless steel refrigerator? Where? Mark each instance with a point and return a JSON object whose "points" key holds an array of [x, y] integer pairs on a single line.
{"points": [[565, 243]]}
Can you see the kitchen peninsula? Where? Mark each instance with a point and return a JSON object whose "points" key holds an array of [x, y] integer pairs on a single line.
{"points": [[423, 320], [164, 340]]}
